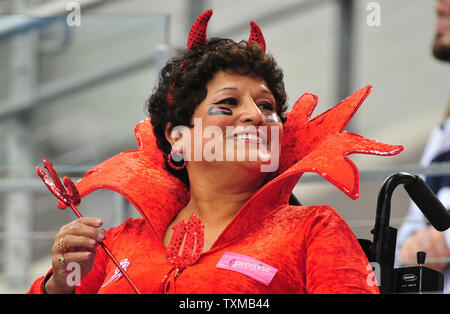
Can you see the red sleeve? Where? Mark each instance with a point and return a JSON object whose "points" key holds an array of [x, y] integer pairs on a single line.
{"points": [[335, 262], [36, 287]]}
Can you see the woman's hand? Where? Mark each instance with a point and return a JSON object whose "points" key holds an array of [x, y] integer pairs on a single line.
{"points": [[75, 242]]}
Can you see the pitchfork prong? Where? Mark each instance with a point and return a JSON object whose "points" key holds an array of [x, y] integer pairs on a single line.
{"points": [[72, 190], [53, 174], [55, 186], [49, 184]]}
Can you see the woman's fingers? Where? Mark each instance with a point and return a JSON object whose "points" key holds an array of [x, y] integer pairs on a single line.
{"points": [[81, 236], [75, 242], [86, 227], [90, 221], [72, 242], [69, 257]]}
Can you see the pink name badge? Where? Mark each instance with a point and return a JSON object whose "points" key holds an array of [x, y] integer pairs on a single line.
{"points": [[248, 266]]}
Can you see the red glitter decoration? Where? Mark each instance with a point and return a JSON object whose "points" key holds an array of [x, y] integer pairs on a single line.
{"points": [[191, 234], [256, 35], [197, 34]]}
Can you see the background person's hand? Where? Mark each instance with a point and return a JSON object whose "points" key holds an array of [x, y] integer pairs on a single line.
{"points": [[75, 242], [430, 241]]}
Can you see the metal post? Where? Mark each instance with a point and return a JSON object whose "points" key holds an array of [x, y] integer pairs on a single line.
{"points": [[18, 204], [345, 37], [18, 150]]}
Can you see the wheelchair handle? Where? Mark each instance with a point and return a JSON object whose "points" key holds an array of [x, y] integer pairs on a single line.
{"points": [[429, 204], [384, 236]]}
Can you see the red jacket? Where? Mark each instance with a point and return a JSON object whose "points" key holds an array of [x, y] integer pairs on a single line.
{"points": [[282, 248]]}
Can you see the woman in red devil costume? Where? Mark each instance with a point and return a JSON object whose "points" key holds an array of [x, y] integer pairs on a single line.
{"points": [[212, 176]]}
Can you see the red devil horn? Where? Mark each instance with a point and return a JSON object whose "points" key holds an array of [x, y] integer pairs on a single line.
{"points": [[256, 35], [197, 35]]}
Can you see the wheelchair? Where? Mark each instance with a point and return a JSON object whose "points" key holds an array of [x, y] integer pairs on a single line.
{"points": [[380, 251]]}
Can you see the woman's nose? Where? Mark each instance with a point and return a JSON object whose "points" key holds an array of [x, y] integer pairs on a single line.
{"points": [[251, 113]]}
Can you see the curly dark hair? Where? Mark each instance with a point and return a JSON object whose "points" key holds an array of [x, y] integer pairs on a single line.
{"points": [[182, 84]]}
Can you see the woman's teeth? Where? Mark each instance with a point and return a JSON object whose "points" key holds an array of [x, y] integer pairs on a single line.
{"points": [[247, 136]]}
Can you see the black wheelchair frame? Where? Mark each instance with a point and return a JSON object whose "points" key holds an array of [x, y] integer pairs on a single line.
{"points": [[381, 250]]}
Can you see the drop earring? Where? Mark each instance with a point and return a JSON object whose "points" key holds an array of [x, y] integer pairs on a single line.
{"points": [[176, 157]]}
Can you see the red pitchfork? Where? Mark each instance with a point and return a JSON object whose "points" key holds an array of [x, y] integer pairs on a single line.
{"points": [[68, 193]]}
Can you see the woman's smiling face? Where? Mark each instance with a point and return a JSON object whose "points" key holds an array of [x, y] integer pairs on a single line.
{"points": [[238, 121]]}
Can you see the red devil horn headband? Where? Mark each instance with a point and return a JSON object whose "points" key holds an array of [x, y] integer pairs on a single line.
{"points": [[256, 35], [197, 37], [197, 34]]}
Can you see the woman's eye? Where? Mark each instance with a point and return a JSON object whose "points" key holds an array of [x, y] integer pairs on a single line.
{"points": [[228, 101], [267, 106]]}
